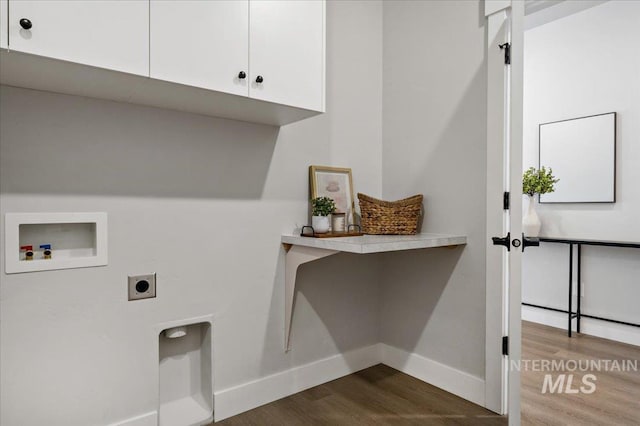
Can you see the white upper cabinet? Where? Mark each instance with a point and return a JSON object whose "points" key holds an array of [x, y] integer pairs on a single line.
{"points": [[4, 31], [112, 34], [286, 52], [201, 43], [267, 50], [251, 60]]}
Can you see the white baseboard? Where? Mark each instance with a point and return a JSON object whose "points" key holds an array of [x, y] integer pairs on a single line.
{"points": [[606, 330], [447, 378], [241, 398], [147, 419], [543, 316], [237, 399]]}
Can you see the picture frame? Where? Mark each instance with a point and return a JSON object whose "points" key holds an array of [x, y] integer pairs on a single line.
{"points": [[335, 183], [582, 154]]}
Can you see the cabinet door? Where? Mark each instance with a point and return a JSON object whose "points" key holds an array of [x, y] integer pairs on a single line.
{"points": [[4, 23], [287, 51], [201, 43], [111, 34]]}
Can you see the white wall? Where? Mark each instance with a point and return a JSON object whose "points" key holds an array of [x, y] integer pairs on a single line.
{"points": [[434, 127], [580, 65], [202, 202]]}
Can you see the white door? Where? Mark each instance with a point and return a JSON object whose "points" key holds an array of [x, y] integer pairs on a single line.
{"points": [[514, 169], [286, 52], [201, 43], [112, 34], [4, 22], [504, 217]]}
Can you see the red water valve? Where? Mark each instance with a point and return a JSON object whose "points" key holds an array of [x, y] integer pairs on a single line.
{"points": [[28, 252]]}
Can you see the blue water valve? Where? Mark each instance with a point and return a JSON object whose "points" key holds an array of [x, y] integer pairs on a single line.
{"points": [[46, 250]]}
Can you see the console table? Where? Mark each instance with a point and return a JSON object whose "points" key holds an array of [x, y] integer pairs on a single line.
{"points": [[300, 250], [578, 313]]}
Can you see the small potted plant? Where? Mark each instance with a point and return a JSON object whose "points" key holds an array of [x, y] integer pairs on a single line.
{"points": [[535, 182], [322, 207]]}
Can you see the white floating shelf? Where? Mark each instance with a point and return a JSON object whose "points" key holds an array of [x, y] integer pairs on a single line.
{"points": [[78, 240], [377, 243], [302, 250]]}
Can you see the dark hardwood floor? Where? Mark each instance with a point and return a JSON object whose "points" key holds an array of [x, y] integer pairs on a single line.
{"points": [[381, 395], [378, 395]]}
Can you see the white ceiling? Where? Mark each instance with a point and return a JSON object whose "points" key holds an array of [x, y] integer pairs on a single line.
{"points": [[540, 12]]}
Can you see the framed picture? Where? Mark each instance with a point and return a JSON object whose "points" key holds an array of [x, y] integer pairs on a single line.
{"points": [[582, 153], [335, 183]]}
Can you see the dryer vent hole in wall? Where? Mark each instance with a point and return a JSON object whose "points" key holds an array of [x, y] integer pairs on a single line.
{"points": [[186, 375]]}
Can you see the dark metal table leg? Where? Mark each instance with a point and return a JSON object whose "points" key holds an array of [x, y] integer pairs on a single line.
{"points": [[579, 278], [570, 288]]}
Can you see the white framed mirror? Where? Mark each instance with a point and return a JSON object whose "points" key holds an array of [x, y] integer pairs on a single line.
{"points": [[582, 154]]}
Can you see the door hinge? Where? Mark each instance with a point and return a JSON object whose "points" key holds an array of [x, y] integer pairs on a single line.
{"points": [[507, 52], [505, 345], [505, 200]]}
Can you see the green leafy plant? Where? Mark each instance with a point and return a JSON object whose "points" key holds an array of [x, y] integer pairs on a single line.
{"points": [[538, 181], [323, 206]]}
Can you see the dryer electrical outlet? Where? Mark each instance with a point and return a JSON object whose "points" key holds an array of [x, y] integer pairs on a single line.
{"points": [[142, 286]]}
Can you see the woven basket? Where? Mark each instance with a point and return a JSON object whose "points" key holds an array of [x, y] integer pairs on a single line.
{"points": [[380, 217]]}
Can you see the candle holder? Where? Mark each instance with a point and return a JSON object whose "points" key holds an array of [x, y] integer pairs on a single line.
{"points": [[338, 222]]}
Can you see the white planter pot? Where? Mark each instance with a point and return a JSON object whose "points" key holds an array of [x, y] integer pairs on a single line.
{"points": [[531, 222], [320, 224]]}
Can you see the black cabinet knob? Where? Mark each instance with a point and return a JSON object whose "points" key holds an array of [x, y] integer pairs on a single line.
{"points": [[242, 75], [259, 79], [26, 24]]}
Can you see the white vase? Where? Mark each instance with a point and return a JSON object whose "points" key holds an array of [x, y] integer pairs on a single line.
{"points": [[320, 224], [531, 222]]}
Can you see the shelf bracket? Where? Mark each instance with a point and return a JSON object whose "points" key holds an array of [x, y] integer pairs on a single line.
{"points": [[294, 257]]}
